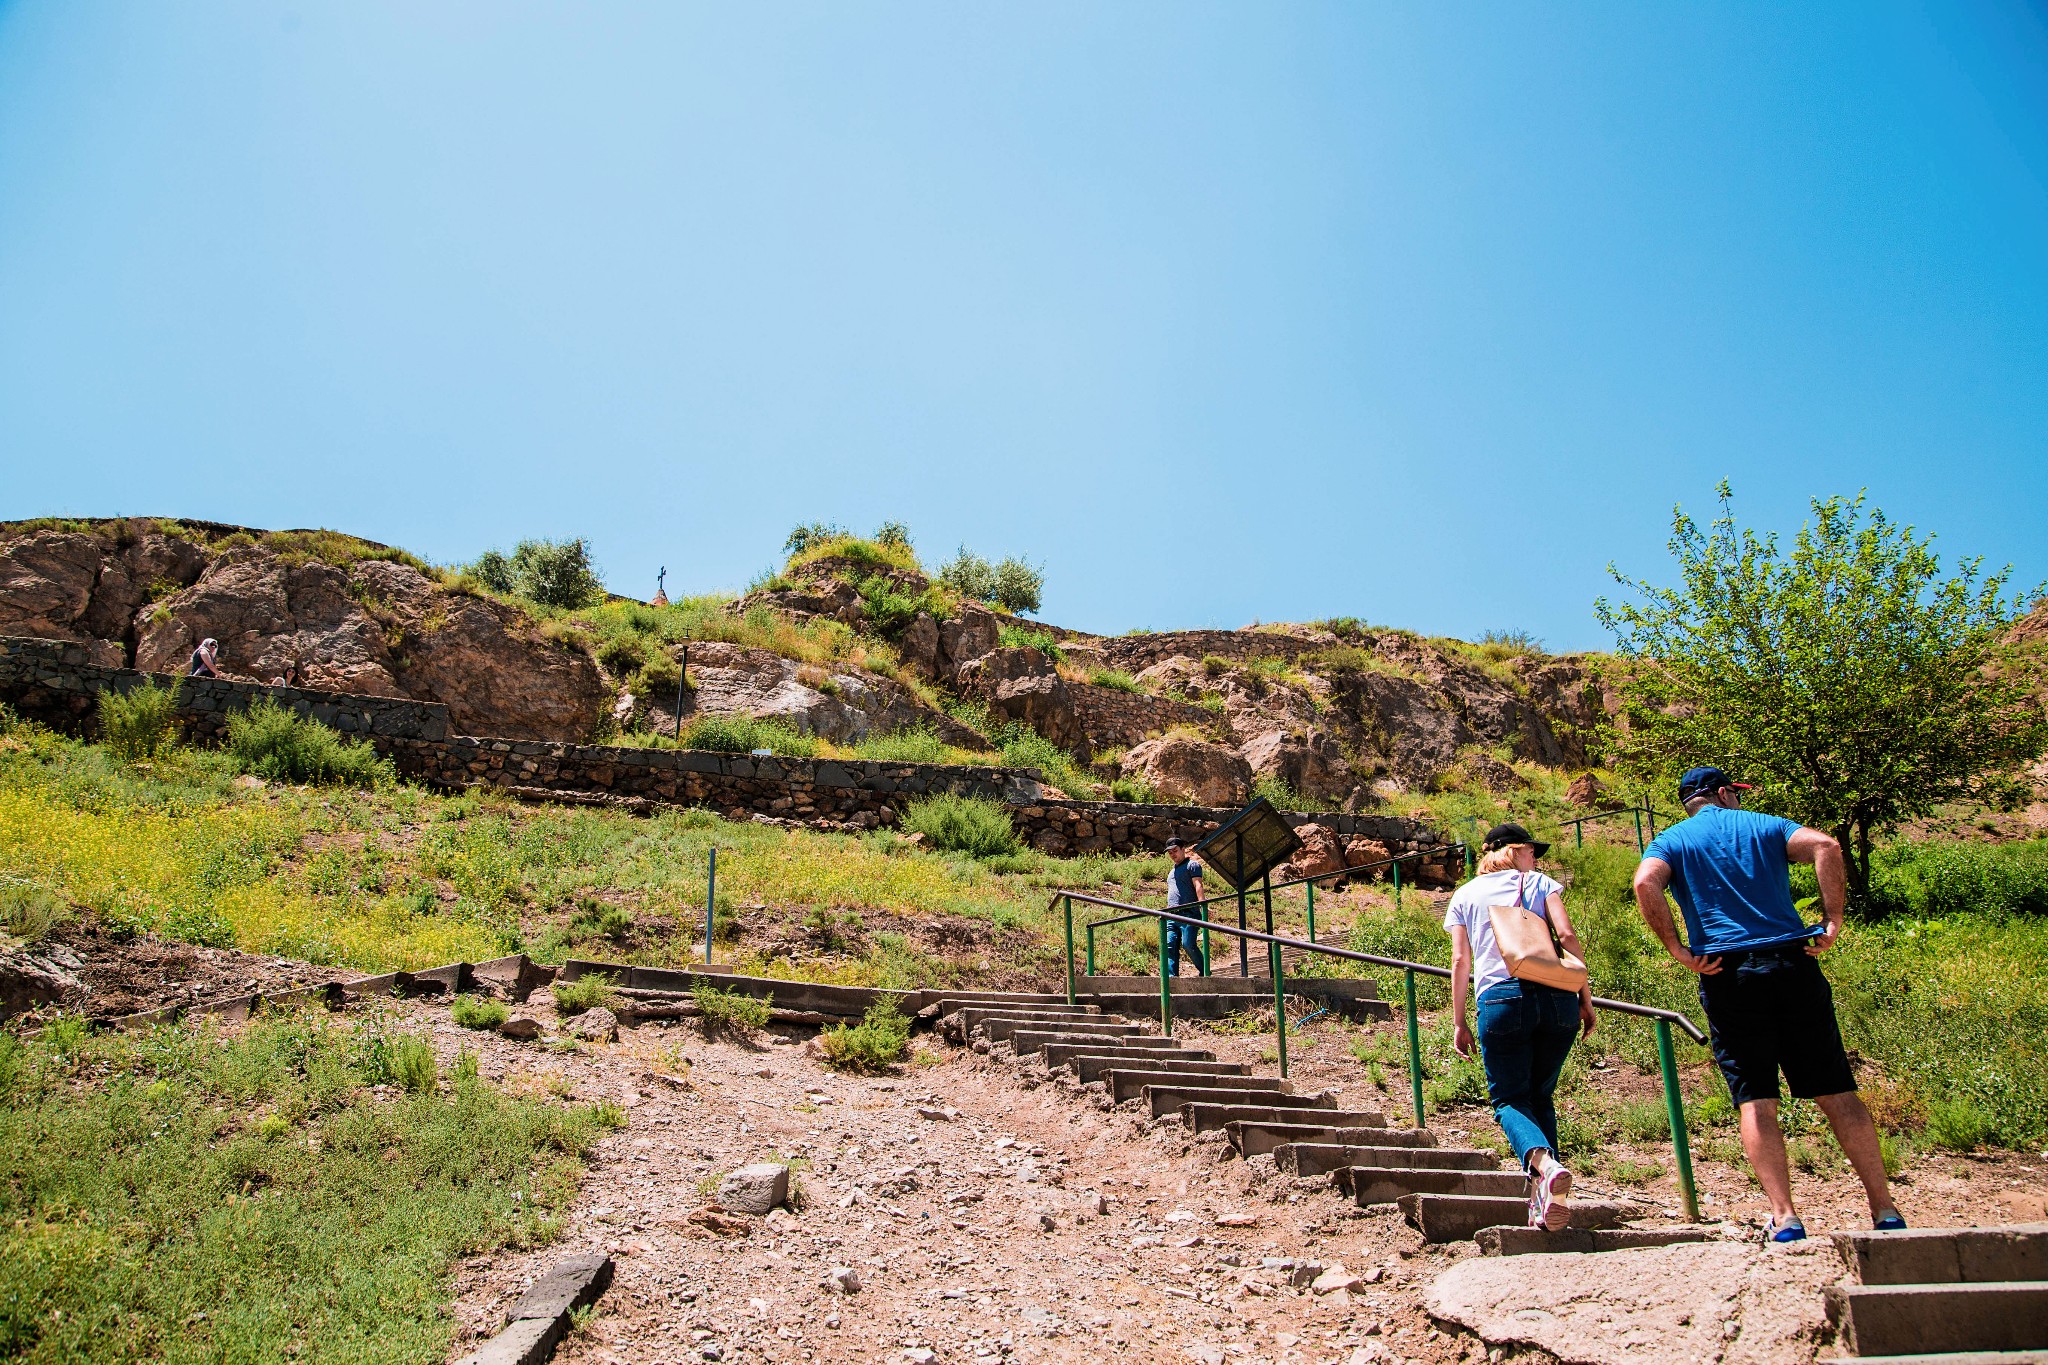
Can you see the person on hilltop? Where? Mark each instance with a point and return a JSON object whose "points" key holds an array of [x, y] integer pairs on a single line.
{"points": [[1769, 1007], [1528, 1011], [1183, 888], [205, 660]]}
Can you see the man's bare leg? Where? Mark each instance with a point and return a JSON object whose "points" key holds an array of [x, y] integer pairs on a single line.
{"points": [[1856, 1133], [1764, 1143]]}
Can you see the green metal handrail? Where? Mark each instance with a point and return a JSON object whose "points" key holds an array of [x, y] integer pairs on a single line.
{"points": [[1577, 826], [1674, 1099]]}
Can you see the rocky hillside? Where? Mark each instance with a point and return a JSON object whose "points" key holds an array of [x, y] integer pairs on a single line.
{"points": [[848, 644]]}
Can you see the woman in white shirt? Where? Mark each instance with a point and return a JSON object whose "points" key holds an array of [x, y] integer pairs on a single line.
{"points": [[1526, 1029]]}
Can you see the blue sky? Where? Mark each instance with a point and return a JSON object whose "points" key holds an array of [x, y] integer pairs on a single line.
{"points": [[1419, 313]]}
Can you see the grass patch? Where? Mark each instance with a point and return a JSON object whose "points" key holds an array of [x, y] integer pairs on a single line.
{"points": [[28, 912], [744, 734], [140, 723], [964, 824], [590, 991], [873, 1045], [186, 1194], [734, 1013], [1024, 637], [914, 745], [1116, 679], [474, 1011], [278, 746]]}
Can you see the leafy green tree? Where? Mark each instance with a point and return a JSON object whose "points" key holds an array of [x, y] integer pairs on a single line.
{"points": [[1853, 682], [1014, 584], [551, 573]]}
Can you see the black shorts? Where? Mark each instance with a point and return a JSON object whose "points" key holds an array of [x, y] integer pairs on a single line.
{"points": [[1772, 1008]]}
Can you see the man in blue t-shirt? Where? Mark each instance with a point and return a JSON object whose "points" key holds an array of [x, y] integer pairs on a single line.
{"points": [[1183, 887], [1769, 1007]]}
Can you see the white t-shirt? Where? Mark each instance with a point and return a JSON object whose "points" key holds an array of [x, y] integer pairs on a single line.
{"points": [[1471, 906]]}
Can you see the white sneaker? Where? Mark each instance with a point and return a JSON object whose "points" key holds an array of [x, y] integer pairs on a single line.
{"points": [[1550, 1198]]}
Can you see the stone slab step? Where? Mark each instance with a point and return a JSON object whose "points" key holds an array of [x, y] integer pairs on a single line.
{"points": [[1108, 1050], [1905, 1319], [1158, 1063], [1455, 1217], [1027, 1040], [950, 1002], [1127, 1081], [1511, 1241], [999, 1029], [962, 1023], [1167, 1099], [1327, 1158], [1252, 987], [2017, 1251], [1369, 1185], [1959, 1358], [1207, 1115], [1347, 1128]]}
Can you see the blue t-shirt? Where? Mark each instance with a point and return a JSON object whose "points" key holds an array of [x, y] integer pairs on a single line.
{"points": [[1729, 873], [1180, 883]]}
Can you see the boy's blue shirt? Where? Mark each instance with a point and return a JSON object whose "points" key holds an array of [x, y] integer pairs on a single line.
{"points": [[1730, 875]]}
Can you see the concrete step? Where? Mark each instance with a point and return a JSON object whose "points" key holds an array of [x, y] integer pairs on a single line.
{"points": [[1253, 988], [2017, 1251], [962, 1023], [1325, 1158], [1347, 1128], [1908, 1319], [999, 1029], [1027, 1040], [1205, 1116], [1368, 1185], [1511, 1241], [1131, 1077], [950, 1001], [1455, 1217], [1157, 1063], [1959, 1358], [1167, 1099], [1108, 1050]]}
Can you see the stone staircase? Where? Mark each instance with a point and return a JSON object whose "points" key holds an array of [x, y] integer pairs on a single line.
{"points": [[1959, 1296], [1450, 1193]]}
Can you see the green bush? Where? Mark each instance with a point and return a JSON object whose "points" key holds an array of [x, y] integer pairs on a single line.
{"points": [[887, 609], [28, 911], [474, 1011], [1930, 880], [139, 723], [1014, 585], [730, 1012], [1959, 1125], [913, 745], [1133, 788], [962, 824], [586, 992], [548, 572], [1023, 637], [873, 1045], [413, 1065], [278, 746], [1115, 678], [742, 734]]}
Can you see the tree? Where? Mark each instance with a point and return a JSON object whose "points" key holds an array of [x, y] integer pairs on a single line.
{"points": [[1853, 682], [551, 573], [1014, 584]]}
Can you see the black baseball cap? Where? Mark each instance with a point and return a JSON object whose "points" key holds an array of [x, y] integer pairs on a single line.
{"points": [[1176, 842], [1500, 836], [1705, 782]]}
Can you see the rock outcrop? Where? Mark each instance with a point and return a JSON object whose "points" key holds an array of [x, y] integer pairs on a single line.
{"points": [[1021, 684], [68, 585], [1195, 771], [842, 705]]}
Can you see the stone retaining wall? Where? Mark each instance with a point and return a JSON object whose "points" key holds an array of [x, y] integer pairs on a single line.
{"points": [[56, 682], [1114, 719], [1063, 828], [1135, 652]]}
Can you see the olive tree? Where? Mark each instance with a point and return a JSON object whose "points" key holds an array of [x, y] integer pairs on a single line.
{"points": [[1853, 681]]}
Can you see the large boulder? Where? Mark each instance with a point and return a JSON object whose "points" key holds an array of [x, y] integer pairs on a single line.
{"points": [[1182, 769], [65, 585], [1021, 684], [1320, 853], [970, 634], [46, 583], [842, 704], [1312, 764], [378, 628]]}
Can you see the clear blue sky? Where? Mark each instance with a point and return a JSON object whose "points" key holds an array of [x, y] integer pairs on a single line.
{"points": [[1420, 313]]}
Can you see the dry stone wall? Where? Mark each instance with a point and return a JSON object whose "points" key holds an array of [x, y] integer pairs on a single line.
{"points": [[1114, 719]]}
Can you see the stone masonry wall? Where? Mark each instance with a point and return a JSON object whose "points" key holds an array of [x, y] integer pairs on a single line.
{"points": [[1114, 719], [56, 682]]}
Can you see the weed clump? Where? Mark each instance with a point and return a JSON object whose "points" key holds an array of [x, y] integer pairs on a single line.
{"points": [[587, 992], [413, 1065], [962, 824], [140, 723], [742, 734], [550, 573], [472, 1011], [730, 1012], [916, 744], [28, 912], [876, 1043], [278, 746]]}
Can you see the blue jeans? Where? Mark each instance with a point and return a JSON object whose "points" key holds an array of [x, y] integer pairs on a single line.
{"points": [[1525, 1033], [1183, 938]]}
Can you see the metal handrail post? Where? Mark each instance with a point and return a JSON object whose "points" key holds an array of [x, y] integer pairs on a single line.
{"points": [[1578, 834], [1090, 936], [710, 904], [1244, 950], [1280, 1005], [1639, 829], [1311, 912], [1165, 991], [1651, 811], [1681, 1141], [1070, 948], [1414, 1048], [1206, 949], [1397, 883]]}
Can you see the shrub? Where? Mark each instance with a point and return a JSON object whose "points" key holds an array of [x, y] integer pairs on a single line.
{"points": [[1282, 796], [586, 992], [1133, 788], [1115, 678], [1018, 585], [140, 723], [473, 1011], [810, 535], [873, 1045], [271, 742], [887, 609], [1959, 1125], [548, 572], [28, 912], [413, 1065], [1023, 637], [1513, 641], [893, 534], [731, 1012], [916, 744], [962, 824], [742, 734], [1014, 584]]}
